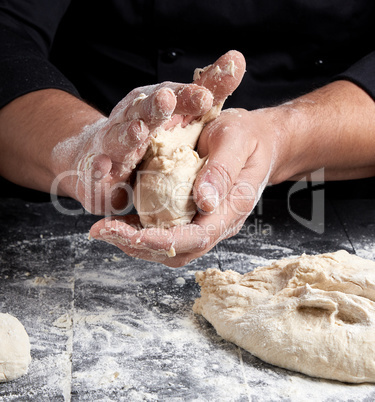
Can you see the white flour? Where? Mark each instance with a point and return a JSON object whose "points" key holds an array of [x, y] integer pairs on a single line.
{"points": [[111, 327]]}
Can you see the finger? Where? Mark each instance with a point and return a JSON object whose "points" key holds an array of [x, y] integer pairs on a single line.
{"points": [[222, 77], [228, 154], [169, 98], [117, 228], [176, 240], [125, 232], [245, 193], [134, 103], [192, 100], [91, 171], [96, 188], [173, 262], [123, 139], [100, 168], [154, 108], [229, 217], [179, 260], [188, 241]]}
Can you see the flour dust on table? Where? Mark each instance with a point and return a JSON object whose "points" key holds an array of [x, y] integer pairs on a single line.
{"points": [[14, 348], [311, 314]]}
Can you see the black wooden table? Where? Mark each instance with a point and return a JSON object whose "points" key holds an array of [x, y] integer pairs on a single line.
{"points": [[106, 327]]}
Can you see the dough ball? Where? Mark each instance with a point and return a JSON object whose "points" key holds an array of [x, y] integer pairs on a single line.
{"points": [[312, 314], [14, 348], [163, 191]]}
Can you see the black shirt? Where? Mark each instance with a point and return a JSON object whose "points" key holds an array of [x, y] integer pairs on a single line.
{"points": [[100, 50], [103, 49]]}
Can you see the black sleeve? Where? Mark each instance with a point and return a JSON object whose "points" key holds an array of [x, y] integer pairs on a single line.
{"points": [[27, 30], [362, 74]]}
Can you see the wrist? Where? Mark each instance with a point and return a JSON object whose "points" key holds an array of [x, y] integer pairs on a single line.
{"points": [[289, 154], [330, 128], [30, 128], [277, 128], [303, 142], [68, 155]]}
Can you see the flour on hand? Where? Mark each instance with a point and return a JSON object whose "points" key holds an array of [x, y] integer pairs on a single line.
{"points": [[14, 348], [312, 314]]}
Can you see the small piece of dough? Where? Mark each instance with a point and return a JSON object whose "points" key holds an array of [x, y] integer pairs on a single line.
{"points": [[163, 192], [14, 348], [312, 314]]}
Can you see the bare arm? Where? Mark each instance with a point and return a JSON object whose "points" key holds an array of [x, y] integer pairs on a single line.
{"points": [[331, 128], [30, 128]]}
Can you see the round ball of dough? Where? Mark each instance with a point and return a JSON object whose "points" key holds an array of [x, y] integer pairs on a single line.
{"points": [[14, 348]]}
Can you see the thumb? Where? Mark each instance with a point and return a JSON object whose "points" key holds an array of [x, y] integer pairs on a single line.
{"points": [[228, 152]]}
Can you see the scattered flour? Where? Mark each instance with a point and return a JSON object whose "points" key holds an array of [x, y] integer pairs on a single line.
{"points": [[146, 345]]}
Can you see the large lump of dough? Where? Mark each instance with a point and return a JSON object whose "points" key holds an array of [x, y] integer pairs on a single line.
{"points": [[312, 314], [14, 348]]}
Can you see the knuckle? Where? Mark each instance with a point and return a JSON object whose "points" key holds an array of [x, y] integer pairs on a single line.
{"points": [[223, 176]]}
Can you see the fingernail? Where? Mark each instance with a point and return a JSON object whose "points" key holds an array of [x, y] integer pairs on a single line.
{"points": [[209, 197], [100, 167], [164, 104], [136, 134], [202, 100]]}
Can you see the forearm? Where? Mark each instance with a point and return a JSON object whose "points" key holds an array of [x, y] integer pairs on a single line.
{"points": [[331, 128], [30, 128]]}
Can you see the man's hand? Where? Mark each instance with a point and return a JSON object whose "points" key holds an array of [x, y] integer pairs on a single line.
{"points": [[221, 79], [104, 155], [111, 149], [226, 190]]}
